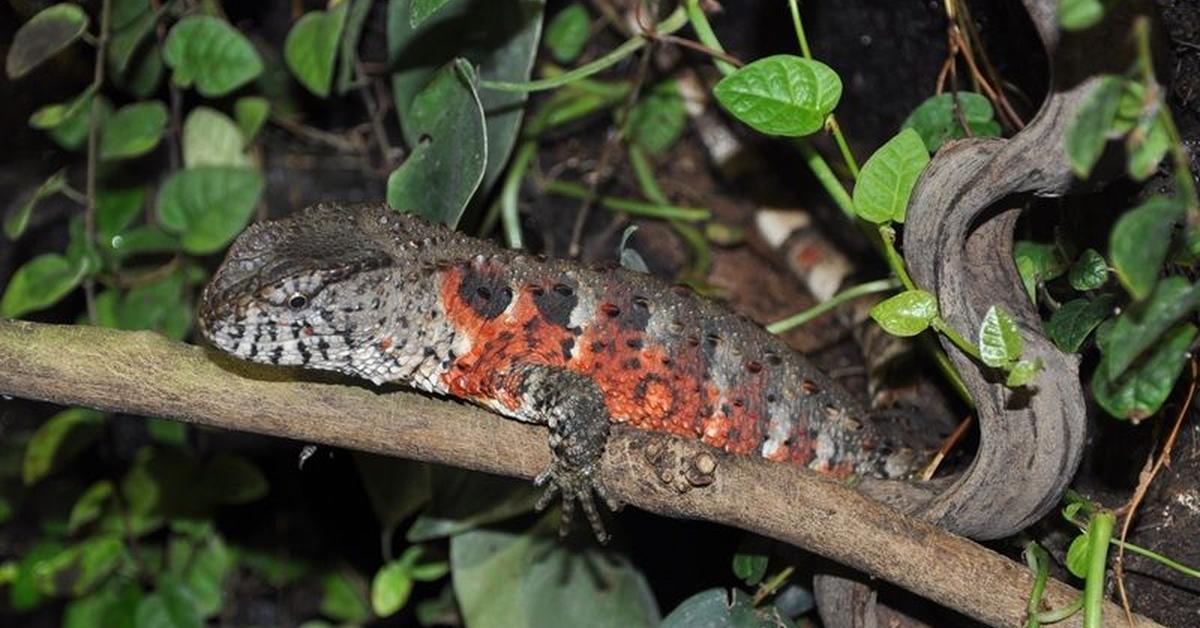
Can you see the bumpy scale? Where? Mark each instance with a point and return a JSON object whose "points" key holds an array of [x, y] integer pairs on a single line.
{"points": [[388, 297]]}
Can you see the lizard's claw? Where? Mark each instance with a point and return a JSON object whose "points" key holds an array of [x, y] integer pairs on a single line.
{"points": [[575, 484]]}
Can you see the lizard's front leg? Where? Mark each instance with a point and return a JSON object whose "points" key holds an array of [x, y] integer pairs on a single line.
{"points": [[572, 407]]}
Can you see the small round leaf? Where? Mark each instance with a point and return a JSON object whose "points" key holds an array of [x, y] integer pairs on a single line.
{"points": [[132, 130], [906, 314]]}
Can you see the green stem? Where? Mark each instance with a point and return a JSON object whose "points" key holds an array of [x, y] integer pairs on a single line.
{"points": [[1038, 562], [1183, 175], [645, 176], [674, 22], [947, 368], [637, 208], [887, 238], [1099, 535], [705, 34], [824, 174], [1059, 614], [953, 336], [834, 128], [1137, 549], [799, 27], [509, 214], [849, 294], [843, 146]]}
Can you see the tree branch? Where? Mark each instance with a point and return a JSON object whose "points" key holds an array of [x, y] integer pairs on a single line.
{"points": [[143, 373]]}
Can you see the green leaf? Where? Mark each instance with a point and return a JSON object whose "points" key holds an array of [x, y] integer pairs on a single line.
{"points": [[1142, 324], [133, 130], [1038, 262], [132, 22], [117, 209], [999, 339], [1077, 556], [204, 567], [167, 432], [504, 36], [1089, 272], [750, 568], [390, 588], [208, 206], [937, 122], [1077, 15], [567, 33], [251, 112], [718, 607], [53, 116], [1141, 391], [356, 18], [1024, 372], [80, 568], [1071, 324], [234, 480], [210, 138], [658, 119], [16, 222], [89, 505], [60, 438], [40, 283], [420, 10], [906, 314], [506, 579], [344, 597], [71, 133], [1139, 243], [1147, 145], [211, 54], [1087, 133], [159, 306], [446, 167], [397, 488], [23, 593], [781, 95], [44, 36], [171, 606], [312, 46], [888, 177], [113, 604], [463, 500]]}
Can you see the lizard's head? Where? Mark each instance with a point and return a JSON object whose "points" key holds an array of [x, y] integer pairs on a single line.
{"points": [[299, 291]]}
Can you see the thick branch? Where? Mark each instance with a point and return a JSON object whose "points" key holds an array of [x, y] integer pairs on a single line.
{"points": [[142, 373]]}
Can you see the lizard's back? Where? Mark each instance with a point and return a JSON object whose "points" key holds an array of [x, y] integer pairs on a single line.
{"points": [[389, 297]]}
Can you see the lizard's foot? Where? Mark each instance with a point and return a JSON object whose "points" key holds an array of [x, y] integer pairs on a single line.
{"points": [[575, 484]]}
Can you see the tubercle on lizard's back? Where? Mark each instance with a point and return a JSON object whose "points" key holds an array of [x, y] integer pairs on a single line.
{"points": [[643, 346]]}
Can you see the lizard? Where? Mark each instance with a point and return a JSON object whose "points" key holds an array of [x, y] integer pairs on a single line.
{"points": [[386, 296]]}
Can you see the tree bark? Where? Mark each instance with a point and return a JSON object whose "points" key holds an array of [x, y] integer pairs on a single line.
{"points": [[143, 373]]}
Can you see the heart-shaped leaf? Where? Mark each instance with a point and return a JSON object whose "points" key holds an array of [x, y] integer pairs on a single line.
{"points": [[206, 51], [208, 206], [210, 138], [999, 339], [781, 95]]}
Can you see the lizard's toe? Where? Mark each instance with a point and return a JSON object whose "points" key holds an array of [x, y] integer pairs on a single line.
{"points": [[576, 485]]}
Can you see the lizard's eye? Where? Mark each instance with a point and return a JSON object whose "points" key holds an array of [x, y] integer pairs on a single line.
{"points": [[297, 301]]}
